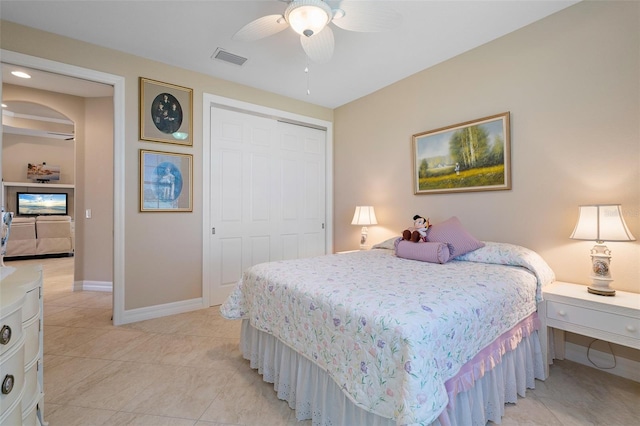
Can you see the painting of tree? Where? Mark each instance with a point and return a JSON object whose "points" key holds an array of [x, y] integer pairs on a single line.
{"points": [[471, 156]]}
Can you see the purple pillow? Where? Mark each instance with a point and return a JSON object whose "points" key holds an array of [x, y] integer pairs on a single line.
{"points": [[426, 252], [451, 231]]}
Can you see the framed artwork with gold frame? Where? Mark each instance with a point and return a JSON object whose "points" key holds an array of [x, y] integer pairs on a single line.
{"points": [[470, 156], [166, 181], [166, 112]]}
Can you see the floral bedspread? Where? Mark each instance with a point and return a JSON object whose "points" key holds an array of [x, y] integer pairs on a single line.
{"points": [[392, 331]]}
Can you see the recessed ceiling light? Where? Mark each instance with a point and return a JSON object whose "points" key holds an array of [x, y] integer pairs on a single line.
{"points": [[4, 105], [20, 74]]}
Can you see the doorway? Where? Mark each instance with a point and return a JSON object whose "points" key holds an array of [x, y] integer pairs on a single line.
{"points": [[117, 83]]}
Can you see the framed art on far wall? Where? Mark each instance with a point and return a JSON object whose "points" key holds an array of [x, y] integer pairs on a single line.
{"points": [[470, 156], [166, 112], [166, 182]]}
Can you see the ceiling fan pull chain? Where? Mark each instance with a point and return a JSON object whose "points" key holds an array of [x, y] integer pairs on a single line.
{"points": [[306, 70]]}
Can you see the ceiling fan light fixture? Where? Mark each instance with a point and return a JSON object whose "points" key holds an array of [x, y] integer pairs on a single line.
{"points": [[338, 13], [308, 17]]}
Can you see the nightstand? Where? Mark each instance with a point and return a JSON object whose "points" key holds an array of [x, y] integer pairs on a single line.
{"points": [[569, 307]]}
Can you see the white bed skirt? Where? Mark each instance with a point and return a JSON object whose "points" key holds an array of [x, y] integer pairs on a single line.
{"points": [[311, 392]]}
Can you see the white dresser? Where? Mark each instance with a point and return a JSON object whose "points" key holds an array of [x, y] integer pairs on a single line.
{"points": [[21, 396]]}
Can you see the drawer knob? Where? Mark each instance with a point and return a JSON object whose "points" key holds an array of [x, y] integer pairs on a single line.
{"points": [[7, 384], [5, 335], [562, 313], [631, 328]]}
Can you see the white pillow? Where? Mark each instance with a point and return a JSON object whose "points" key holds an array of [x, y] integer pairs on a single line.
{"points": [[386, 244]]}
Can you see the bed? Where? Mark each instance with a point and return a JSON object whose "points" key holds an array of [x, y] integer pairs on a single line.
{"points": [[370, 338]]}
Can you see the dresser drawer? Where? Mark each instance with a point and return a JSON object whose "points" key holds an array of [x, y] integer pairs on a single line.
{"points": [[13, 416], [31, 391], [30, 416], [31, 306], [607, 322], [31, 339], [11, 327], [12, 374]]}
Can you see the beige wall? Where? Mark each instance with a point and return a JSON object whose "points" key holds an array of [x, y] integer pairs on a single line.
{"points": [[572, 85], [19, 150], [163, 251], [97, 192]]}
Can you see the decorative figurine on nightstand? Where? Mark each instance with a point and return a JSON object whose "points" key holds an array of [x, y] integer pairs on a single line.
{"points": [[600, 223]]}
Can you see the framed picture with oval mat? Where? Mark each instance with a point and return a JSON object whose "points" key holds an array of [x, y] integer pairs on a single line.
{"points": [[166, 181], [166, 112]]}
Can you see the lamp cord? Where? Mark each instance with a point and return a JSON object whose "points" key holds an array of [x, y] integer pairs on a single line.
{"points": [[615, 362]]}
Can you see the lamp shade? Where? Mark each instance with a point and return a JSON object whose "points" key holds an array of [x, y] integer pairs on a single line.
{"points": [[601, 222], [364, 215], [308, 17]]}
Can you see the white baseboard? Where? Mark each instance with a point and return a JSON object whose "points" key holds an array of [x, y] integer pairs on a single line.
{"points": [[626, 368], [93, 286], [151, 312], [148, 312]]}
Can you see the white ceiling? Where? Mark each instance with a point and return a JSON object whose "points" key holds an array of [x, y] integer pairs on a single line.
{"points": [[186, 33], [55, 82]]}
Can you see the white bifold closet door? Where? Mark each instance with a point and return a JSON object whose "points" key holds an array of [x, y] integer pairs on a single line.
{"points": [[267, 194]]}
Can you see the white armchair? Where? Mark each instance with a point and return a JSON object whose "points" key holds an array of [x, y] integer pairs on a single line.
{"points": [[53, 235], [22, 237]]}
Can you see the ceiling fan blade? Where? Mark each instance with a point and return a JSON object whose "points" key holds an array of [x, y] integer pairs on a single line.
{"points": [[319, 47], [367, 17], [261, 28]]}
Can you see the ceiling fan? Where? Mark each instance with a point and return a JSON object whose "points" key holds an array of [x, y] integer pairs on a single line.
{"points": [[310, 19]]}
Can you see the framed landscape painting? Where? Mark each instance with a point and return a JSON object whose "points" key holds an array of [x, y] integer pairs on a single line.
{"points": [[165, 112], [470, 156], [165, 182]]}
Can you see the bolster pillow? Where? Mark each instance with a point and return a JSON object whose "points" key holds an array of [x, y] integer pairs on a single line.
{"points": [[434, 252]]}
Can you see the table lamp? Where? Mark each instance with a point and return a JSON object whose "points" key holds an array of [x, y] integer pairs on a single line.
{"points": [[600, 223], [364, 215]]}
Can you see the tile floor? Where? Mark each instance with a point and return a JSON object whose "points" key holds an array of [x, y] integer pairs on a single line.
{"points": [[187, 370]]}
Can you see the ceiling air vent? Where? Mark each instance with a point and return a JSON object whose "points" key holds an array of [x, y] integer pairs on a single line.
{"points": [[223, 55]]}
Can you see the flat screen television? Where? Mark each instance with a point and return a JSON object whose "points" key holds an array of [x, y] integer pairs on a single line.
{"points": [[39, 203]]}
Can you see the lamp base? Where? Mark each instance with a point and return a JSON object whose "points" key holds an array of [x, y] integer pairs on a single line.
{"points": [[601, 291], [363, 238], [601, 271]]}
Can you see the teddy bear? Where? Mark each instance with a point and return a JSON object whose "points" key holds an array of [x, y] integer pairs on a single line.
{"points": [[419, 230]]}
